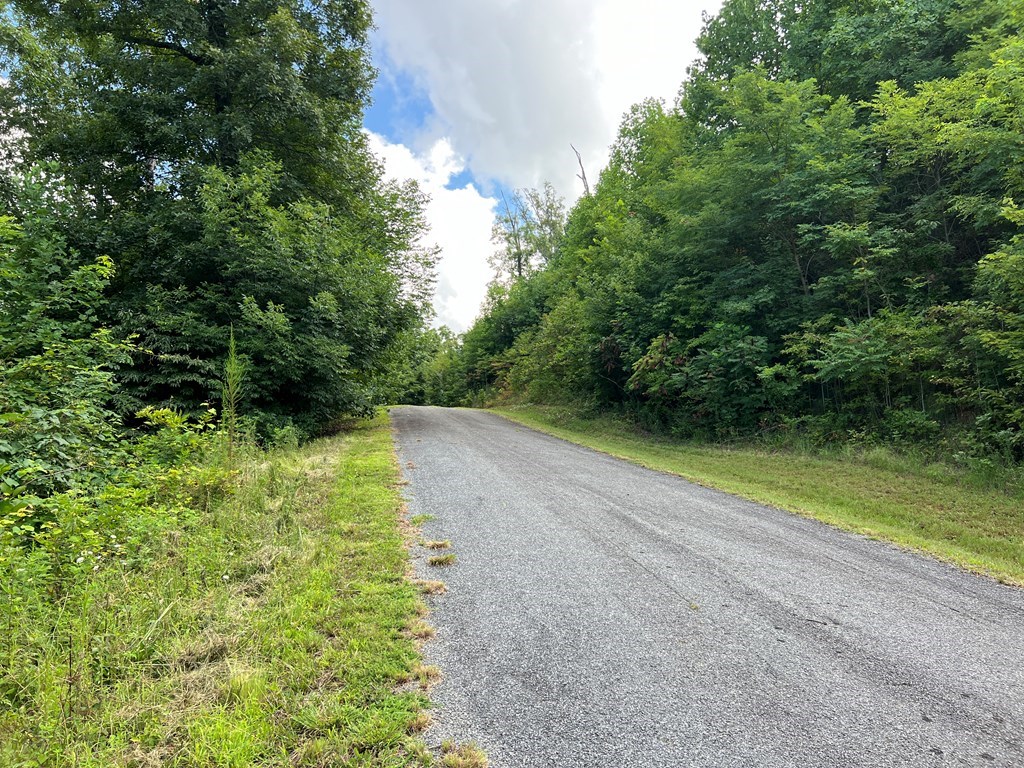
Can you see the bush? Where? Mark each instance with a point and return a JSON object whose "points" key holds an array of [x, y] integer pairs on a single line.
{"points": [[57, 364]]}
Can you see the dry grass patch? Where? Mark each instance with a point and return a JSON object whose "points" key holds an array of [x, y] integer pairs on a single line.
{"points": [[440, 561], [421, 630], [437, 544], [421, 722], [426, 675], [462, 756], [208, 648], [430, 587]]}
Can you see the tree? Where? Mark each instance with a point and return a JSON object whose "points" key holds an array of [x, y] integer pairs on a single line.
{"points": [[217, 156], [527, 231], [129, 95]]}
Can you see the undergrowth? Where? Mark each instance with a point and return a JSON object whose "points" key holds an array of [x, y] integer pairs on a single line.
{"points": [[214, 606]]}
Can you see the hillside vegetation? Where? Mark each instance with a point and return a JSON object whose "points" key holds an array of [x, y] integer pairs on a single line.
{"points": [[821, 241]]}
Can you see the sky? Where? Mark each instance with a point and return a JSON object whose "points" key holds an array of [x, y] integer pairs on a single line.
{"points": [[478, 96]]}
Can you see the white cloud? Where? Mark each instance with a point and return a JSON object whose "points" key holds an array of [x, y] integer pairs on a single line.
{"points": [[514, 82], [643, 48], [460, 222]]}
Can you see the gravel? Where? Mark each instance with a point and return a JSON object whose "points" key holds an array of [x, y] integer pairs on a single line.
{"points": [[600, 614]]}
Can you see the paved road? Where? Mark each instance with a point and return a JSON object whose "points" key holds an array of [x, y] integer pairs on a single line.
{"points": [[601, 614]]}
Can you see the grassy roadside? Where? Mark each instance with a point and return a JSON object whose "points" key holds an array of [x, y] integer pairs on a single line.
{"points": [[273, 626], [928, 508]]}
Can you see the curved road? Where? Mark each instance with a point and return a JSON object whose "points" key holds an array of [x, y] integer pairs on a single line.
{"points": [[601, 614]]}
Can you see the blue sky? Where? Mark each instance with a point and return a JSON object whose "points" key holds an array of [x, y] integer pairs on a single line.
{"points": [[477, 96], [400, 108], [401, 112]]}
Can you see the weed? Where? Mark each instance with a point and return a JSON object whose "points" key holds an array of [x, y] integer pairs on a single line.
{"points": [[437, 544], [441, 560], [231, 393], [186, 638], [419, 751], [418, 520]]}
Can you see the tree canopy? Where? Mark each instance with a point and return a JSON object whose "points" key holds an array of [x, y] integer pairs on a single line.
{"points": [[212, 153]]}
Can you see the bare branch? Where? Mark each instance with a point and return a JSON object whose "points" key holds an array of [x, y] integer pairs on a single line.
{"points": [[582, 175]]}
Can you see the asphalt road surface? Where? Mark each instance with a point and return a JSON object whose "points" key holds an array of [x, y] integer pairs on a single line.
{"points": [[601, 614]]}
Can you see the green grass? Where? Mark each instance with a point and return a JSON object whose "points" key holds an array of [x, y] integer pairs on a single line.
{"points": [[274, 628], [931, 508]]}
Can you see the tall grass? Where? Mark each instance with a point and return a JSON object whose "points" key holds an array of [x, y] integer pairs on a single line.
{"points": [[250, 609]]}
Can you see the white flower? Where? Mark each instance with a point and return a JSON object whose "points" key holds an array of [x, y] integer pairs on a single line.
{"points": [[80, 560]]}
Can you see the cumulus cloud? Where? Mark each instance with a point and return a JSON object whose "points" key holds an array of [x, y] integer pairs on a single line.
{"points": [[460, 222], [503, 76], [514, 82], [508, 85]]}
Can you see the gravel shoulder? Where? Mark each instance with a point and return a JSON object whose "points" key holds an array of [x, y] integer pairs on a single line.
{"points": [[602, 614]]}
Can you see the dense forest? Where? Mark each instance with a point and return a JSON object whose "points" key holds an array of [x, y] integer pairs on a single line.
{"points": [[821, 238], [176, 175]]}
